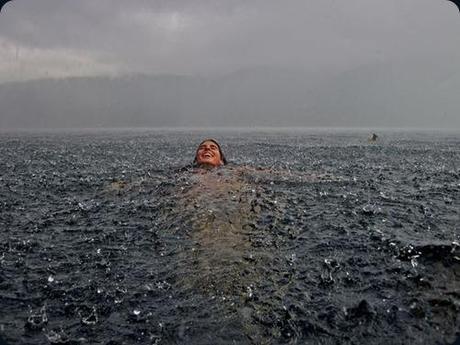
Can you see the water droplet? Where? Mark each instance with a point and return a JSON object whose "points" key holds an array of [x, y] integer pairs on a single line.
{"points": [[91, 319], [250, 291], [413, 261], [57, 337]]}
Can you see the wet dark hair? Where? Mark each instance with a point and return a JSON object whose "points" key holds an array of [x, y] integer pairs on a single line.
{"points": [[224, 160]]}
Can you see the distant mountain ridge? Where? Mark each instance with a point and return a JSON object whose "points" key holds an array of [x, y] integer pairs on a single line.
{"points": [[380, 95]]}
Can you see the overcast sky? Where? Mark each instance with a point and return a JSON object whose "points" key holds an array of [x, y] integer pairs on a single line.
{"points": [[58, 38], [386, 63]]}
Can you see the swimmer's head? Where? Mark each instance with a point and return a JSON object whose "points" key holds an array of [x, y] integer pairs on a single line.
{"points": [[209, 154]]}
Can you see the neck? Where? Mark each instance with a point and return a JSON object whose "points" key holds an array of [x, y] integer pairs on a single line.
{"points": [[207, 166]]}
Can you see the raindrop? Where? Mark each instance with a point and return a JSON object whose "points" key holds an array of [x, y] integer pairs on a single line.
{"points": [[91, 319], [250, 291], [413, 260], [37, 320], [57, 337]]}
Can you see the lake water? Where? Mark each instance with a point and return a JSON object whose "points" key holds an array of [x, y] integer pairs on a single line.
{"points": [[307, 237]]}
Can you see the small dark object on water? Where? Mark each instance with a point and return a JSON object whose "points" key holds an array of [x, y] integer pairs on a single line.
{"points": [[373, 137], [363, 309]]}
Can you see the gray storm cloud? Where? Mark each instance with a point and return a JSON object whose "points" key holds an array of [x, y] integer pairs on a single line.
{"points": [[189, 37]]}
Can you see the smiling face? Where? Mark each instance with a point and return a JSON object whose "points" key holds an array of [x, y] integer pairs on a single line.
{"points": [[208, 153]]}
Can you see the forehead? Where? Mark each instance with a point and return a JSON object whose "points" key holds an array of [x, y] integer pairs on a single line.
{"points": [[209, 143]]}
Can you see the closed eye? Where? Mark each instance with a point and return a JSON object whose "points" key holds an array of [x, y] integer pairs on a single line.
{"points": [[212, 147]]}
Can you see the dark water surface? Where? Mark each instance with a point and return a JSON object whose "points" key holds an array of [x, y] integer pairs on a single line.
{"points": [[308, 238]]}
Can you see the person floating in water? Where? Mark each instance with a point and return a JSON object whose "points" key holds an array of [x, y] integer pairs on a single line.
{"points": [[373, 138], [209, 155]]}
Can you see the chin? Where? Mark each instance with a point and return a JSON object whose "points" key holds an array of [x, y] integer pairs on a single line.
{"points": [[207, 165], [207, 161]]}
